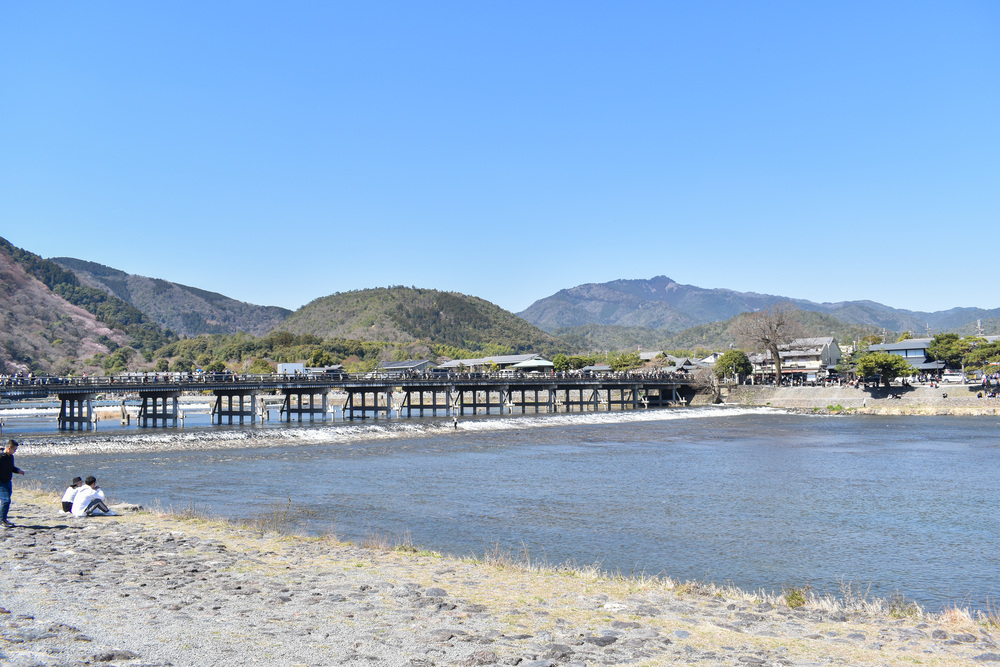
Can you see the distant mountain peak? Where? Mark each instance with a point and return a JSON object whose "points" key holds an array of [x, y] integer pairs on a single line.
{"points": [[663, 304]]}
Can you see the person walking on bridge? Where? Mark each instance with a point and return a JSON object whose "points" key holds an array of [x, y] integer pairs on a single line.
{"points": [[7, 470]]}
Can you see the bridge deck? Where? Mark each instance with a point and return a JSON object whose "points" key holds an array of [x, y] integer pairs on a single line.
{"points": [[461, 393]]}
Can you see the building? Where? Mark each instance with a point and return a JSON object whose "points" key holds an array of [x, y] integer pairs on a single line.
{"points": [[802, 360], [514, 362], [916, 352], [399, 368]]}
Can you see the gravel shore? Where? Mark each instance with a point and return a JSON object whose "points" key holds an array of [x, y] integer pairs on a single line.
{"points": [[151, 589]]}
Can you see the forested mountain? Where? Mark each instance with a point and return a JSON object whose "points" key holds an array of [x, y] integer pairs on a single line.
{"points": [[79, 316], [711, 336], [40, 330], [405, 314], [661, 303], [186, 310]]}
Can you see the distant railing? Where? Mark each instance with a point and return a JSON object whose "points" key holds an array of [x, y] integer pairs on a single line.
{"points": [[138, 381]]}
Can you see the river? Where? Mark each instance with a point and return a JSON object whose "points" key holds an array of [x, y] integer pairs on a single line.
{"points": [[757, 498]]}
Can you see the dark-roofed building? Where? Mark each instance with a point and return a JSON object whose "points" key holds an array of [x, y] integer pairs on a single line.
{"points": [[394, 368], [501, 361], [916, 352]]}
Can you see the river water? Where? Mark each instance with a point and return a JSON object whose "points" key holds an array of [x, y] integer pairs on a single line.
{"points": [[756, 498]]}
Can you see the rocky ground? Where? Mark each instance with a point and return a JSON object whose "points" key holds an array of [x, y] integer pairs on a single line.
{"points": [[153, 589]]}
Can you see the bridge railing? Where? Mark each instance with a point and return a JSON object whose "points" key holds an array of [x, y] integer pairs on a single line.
{"points": [[146, 380]]}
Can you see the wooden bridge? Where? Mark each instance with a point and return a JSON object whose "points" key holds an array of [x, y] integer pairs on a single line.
{"points": [[369, 395]]}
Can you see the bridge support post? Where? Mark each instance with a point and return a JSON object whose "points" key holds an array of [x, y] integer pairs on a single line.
{"points": [[159, 407], [308, 407], [224, 408], [76, 412]]}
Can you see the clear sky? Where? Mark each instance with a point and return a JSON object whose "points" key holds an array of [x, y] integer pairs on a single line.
{"points": [[279, 152]]}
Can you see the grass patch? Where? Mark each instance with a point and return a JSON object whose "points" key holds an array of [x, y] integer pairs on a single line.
{"points": [[381, 541], [795, 597], [900, 607]]}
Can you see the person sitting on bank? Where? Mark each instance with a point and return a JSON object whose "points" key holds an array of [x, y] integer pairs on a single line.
{"points": [[89, 499], [67, 499]]}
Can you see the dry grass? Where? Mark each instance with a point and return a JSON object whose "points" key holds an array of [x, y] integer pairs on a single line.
{"points": [[382, 541], [991, 616], [552, 581]]}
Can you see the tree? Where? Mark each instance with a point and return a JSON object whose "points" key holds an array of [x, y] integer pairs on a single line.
{"points": [[260, 367], [943, 348], [906, 335], [953, 350], [768, 331], [321, 357], [577, 362], [706, 380], [560, 363], [182, 366], [889, 366], [626, 361], [984, 357], [733, 363], [117, 361]]}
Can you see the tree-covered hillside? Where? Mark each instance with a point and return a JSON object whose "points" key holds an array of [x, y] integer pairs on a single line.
{"points": [[143, 334], [186, 310], [712, 336], [40, 331], [405, 314]]}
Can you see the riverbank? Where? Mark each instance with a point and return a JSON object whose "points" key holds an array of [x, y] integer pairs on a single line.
{"points": [[946, 399], [153, 588]]}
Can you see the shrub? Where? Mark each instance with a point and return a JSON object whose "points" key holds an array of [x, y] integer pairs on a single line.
{"points": [[794, 597]]}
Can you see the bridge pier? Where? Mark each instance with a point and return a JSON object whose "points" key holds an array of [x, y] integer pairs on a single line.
{"points": [[306, 407], [158, 406], [354, 397], [364, 396], [76, 412], [487, 403], [535, 403], [422, 404], [245, 407]]}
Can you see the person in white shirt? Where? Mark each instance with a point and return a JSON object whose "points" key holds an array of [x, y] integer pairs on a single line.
{"points": [[67, 499], [89, 499]]}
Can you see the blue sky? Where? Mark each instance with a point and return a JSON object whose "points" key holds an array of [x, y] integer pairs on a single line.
{"points": [[279, 152]]}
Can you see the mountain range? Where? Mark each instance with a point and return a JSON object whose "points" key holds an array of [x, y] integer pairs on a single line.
{"points": [[57, 313], [185, 310], [662, 304]]}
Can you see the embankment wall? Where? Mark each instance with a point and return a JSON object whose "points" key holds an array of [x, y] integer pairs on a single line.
{"points": [[960, 399]]}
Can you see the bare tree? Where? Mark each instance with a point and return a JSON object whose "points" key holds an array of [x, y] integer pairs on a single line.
{"points": [[768, 331], [708, 382]]}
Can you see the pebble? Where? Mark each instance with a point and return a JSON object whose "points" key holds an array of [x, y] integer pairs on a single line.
{"points": [[125, 591]]}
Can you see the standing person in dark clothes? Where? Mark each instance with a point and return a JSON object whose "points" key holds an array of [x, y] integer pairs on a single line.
{"points": [[7, 469]]}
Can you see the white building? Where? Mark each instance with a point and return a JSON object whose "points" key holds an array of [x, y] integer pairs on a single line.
{"points": [[804, 359]]}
